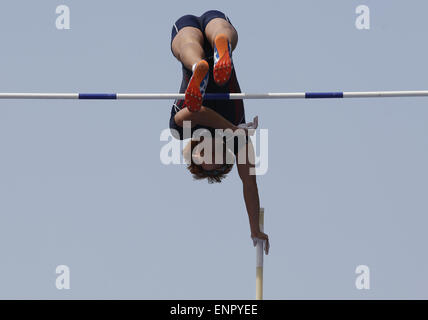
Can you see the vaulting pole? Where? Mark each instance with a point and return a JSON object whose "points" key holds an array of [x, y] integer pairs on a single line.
{"points": [[259, 258]]}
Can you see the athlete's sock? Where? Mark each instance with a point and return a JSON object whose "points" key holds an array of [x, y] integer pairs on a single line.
{"points": [[222, 59], [197, 85]]}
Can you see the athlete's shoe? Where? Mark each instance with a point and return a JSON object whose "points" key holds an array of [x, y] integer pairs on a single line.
{"points": [[222, 59], [197, 85]]}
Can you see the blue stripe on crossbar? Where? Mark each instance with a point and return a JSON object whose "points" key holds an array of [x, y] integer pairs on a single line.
{"points": [[317, 95], [217, 96], [100, 96]]}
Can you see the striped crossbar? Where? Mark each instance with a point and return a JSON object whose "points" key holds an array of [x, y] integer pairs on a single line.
{"points": [[215, 96]]}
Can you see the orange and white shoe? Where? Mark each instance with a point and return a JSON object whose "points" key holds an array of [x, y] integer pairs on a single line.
{"points": [[222, 59], [197, 85]]}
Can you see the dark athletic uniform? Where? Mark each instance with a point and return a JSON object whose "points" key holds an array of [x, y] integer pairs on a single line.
{"points": [[232, 110]]}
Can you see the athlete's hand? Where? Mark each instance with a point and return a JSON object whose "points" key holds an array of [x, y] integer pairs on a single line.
{"points": [[260, 236], [250, 127]]}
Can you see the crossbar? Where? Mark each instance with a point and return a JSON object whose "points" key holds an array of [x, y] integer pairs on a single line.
{"points": [[215, 96]]}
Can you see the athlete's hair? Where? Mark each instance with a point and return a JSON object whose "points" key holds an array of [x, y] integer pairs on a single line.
{"points": [[216, 175]]}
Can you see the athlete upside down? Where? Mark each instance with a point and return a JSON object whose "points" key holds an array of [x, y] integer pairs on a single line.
{"points": [[204, 46]]}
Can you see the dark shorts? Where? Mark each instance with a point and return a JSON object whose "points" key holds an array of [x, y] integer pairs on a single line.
{"points": [[196, 22]]}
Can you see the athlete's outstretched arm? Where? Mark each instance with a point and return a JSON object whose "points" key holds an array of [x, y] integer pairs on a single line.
{"points": [[251, 192]]}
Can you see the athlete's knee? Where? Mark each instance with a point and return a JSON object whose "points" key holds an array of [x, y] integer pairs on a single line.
{"points": [[187, 38]]}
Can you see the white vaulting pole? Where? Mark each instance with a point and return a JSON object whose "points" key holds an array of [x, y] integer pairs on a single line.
{"points": [[259, 259]]}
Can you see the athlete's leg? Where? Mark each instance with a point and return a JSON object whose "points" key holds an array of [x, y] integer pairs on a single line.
{"points": [[221, 26], [223, 38], [187, 46]]}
